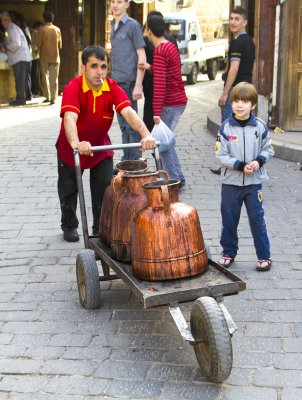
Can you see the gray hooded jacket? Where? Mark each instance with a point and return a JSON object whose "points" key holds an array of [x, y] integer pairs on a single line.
{"points": [[237, 146]]}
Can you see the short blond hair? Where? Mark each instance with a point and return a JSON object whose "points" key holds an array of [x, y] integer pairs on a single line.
{"points": [[244, 91]]}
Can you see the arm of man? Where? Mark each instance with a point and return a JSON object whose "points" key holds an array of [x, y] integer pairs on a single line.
{"points": [[138, 88], [71, 131], [233, 71], [59, 40], [148, 141]]}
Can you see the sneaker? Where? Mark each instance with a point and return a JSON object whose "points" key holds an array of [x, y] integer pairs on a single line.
{"points": [[52, 102], [71, 235]]}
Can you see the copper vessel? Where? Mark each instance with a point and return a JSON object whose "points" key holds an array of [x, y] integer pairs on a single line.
{"points": [[130, 198], [109, 197], [167, 241]]}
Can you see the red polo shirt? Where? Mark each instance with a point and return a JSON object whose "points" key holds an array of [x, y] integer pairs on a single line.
{"points": [[95, 116]]}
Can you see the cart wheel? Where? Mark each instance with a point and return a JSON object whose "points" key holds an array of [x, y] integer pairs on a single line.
{"points": [[213, 348], [88, 280]]}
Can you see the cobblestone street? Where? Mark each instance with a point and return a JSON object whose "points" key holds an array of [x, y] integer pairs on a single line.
{"points": [[52, 349]]}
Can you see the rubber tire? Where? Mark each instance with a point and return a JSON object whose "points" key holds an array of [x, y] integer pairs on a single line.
{"points": [[212, 68], [88, 280], [215, 354], [192, 77]]}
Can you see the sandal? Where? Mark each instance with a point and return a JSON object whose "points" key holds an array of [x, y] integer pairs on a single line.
{"points": [[226, 261], [263, 265]]}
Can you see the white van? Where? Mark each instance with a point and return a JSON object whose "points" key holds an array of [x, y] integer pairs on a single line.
{"points": [[196, 55]]}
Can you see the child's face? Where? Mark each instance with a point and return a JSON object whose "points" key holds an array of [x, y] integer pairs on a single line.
{"points": [[242, 109]]}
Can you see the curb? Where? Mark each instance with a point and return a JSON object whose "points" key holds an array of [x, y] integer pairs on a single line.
{"points": [[285, 150]]}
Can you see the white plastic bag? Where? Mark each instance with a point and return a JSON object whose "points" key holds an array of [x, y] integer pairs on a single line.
{"points": [[163, 134]]}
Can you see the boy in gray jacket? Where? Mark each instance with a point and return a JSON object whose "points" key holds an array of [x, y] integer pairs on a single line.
{"points": [[243, 146]]}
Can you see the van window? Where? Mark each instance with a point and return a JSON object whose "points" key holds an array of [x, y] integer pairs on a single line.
{"points": [[193, 30], [176, 27]]}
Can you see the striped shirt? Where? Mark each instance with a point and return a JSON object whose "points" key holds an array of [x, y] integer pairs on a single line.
{"points": [[168, 85]]}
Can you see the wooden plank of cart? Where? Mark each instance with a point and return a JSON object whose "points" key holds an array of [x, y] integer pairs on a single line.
{"points": [[211, 325]]}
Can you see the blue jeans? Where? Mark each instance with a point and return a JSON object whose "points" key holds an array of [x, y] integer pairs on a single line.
{"points": [[169, 158], [232, 198], [226, 111], [128, 134]]}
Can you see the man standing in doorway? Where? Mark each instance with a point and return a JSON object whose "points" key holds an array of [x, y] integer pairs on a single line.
{"points": [[18, 55], [128, 51], [241, 58], [49, 43]]}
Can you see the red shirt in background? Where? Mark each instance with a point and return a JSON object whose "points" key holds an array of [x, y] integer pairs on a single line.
{"points": [[168, 85], [95, 116]]}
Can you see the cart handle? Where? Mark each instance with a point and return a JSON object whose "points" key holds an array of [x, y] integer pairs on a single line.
{"points": [[119, 146], [80, 180]]}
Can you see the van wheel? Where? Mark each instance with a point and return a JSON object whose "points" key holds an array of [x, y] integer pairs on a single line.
{"points": [[212, 69], [192, 77]]}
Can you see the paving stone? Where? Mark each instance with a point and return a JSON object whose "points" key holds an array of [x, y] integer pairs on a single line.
{"points": [[112, 341], [167, 372], [292, 345], [68, 367], [135, 389], [22, 384], [87, 353], [277, 378], [270, 330], [291, 394], [188, 392], [70, 340], [75, 385], [19, 366], [158, 342], [236, 393], [137, 354], [122, 370], [287, 361]]}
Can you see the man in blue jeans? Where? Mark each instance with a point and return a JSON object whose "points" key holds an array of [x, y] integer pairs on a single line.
{"points": [[127, 51]]}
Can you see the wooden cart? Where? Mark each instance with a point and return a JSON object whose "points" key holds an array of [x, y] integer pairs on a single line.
{"points": [[211, 326]]}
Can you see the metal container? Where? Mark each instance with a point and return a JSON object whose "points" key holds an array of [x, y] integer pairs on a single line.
{"points": [[167, 241]]}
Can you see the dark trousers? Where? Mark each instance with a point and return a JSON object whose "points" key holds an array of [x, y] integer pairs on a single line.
{"points": [[232, 199], [128, 134], [22, 80], [35, 77], [148, 111], [100, 178]]}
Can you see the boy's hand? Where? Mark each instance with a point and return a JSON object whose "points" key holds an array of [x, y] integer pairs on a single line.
{"points": [[255, 165], [248, 170]]}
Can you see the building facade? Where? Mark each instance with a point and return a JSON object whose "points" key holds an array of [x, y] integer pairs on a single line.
{"points": [[275, 25]]}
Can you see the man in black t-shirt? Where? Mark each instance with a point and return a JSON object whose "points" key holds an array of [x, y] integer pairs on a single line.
{"points": [[241, 58]]}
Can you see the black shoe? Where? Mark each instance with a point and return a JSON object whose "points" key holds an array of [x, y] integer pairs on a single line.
{"points": [[71, 235], [52, 102], [17, 103], [95, 231], [216, 171], [46, 101]]}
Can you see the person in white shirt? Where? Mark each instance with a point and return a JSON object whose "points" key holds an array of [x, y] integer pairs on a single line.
{"points": [[19, 56]]}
